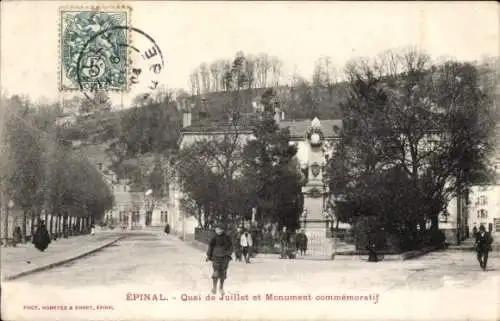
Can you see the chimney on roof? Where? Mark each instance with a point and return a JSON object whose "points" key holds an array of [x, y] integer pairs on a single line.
{"points": [[203, 113]]}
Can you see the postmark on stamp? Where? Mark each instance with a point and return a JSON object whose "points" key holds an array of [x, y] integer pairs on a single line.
{"points": [[145, 61], [103, 60]]}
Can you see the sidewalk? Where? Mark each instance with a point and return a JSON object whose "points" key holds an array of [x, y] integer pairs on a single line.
{"points": [[26, 259]]}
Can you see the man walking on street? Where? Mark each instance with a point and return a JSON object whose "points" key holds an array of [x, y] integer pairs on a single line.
{"points": [[284, 242], [236, 244], [246, 245], [219, 252], [483, 246]]}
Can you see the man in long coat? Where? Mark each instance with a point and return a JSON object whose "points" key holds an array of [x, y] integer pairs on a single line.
{"points": [[483, 246], [41, 239]]}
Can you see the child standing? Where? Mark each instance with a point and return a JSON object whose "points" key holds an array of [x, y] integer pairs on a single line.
{"points": [[219, 252]]}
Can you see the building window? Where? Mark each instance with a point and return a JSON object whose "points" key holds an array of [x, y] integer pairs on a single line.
{"points": [[483, 200], [164, 216], [444, 217], [482, 214], [99, 165]]}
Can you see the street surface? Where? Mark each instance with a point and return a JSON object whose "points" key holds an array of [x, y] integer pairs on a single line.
{"points": [[441, 285], [26, 256]]}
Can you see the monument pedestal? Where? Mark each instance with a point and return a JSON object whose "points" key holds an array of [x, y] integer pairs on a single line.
{"points": [[319, 246], [315, 224]]}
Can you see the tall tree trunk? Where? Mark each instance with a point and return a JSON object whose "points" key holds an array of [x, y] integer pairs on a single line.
{"points": [[65, 224], [58, 224], [5, 213], [25, 222], [51, 224], [33, 225]]}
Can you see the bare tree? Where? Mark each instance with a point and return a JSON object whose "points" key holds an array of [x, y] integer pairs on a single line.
{"points": [[250, 66], [194, 80], [430, 123], [276, 66], [263, 67], [215, 72], [205, 77]]}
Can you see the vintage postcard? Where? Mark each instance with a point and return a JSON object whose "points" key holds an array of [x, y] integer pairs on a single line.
{"points": [[240, 160]]}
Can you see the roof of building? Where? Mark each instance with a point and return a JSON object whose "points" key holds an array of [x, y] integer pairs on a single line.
{"points": [[330, 127]]}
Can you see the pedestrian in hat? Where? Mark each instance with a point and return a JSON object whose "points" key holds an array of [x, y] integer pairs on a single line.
{"points": [[41, 238], [483, 246], [219, 252]]}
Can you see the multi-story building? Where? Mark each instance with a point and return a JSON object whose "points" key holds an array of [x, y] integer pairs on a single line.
{"points": [[484, 206], [132, 208]]}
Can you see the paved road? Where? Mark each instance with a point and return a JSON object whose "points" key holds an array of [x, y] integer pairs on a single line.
{"points": [[448, 283]]}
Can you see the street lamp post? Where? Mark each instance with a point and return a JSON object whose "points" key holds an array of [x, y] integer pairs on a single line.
{"points": [[184, 226], [10, 205], [148, 202]]}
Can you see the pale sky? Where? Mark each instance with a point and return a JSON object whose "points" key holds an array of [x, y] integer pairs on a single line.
{"points": [[296, 32]]}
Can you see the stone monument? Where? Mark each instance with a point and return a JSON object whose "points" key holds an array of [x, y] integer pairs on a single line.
{"points": [[314, 219]]}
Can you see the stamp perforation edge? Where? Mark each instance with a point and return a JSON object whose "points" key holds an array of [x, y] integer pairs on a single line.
{"points": [[85, 7]]}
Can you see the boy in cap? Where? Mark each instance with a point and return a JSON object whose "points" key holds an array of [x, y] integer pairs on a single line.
{"points": [[219, 252]]}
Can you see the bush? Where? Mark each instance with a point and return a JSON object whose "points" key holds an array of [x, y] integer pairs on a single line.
{"points": [[435, 238], [368, 229]]}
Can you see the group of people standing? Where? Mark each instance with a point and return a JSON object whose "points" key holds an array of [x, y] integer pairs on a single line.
{"points": [[291, 243], [242, 245], [222, 246]]}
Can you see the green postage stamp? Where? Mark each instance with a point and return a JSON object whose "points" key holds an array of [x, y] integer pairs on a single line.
{"points": [[93, 48]]}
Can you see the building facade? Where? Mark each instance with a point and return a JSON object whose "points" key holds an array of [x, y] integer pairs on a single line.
{"points": [[132, 209]]}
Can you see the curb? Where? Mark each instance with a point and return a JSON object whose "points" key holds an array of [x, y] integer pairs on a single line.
{"points": [[62, 262], [394, 257]]}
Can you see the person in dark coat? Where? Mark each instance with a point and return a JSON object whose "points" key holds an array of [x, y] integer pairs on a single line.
{"points": [[474, 232], [219, 252], [284, 242], [292, 246], [236, 245], [371, 246], [302, 242], [483, 246], [17, 236], [41, 239], [167, 229]]}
